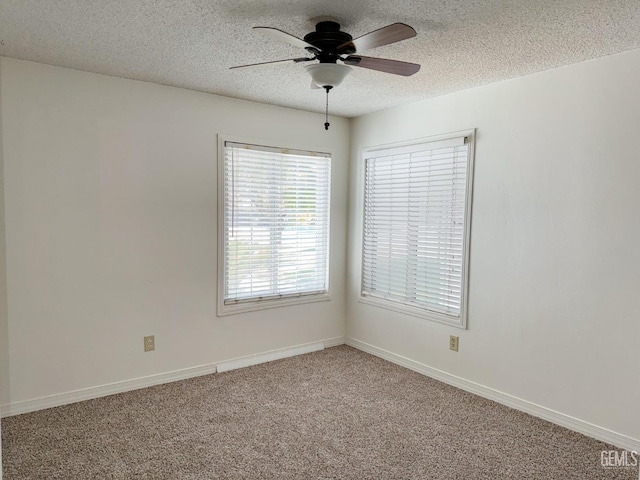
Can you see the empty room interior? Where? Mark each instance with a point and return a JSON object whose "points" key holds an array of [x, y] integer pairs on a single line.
{"points": [[424, 266]]}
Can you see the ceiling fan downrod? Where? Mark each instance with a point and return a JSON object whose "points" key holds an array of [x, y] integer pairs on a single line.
{"points": [[326, 111]]}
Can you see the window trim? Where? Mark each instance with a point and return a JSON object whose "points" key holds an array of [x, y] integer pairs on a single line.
{"points": [[410, 309], [287, 300]]}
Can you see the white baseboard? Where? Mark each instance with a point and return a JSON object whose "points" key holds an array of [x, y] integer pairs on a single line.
{"points": [[259, 358], [333, 342], [66, 398], [575, 424]]}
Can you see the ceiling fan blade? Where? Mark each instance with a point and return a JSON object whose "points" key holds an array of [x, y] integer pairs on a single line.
{"points": [[382, 65], [284, 36], [383, 36], [296, 60]]}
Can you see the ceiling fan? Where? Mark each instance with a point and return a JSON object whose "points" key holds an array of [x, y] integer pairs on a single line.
{"points": [[328, 45]]}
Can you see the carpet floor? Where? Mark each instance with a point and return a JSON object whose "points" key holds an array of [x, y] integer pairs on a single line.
{"points": [[334, 414]]}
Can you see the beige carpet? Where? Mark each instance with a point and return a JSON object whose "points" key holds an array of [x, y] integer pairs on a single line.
{"points": [[339, 414]]}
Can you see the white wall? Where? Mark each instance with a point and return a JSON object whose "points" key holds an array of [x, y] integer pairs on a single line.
{"points": [[111, 224], [554, 272]]}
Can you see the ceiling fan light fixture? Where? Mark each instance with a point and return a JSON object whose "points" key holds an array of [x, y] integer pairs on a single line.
{"points": [[327, 74]]}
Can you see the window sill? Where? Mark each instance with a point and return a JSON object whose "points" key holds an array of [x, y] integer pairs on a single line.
{"points": [[233, 309], [413, 311]]}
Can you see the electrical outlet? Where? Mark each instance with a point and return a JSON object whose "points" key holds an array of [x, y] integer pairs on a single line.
{"points": [[453, 343], [149, 343]]}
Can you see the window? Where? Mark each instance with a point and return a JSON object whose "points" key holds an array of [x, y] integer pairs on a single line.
{"points": [[275, 227], [416, 228]]}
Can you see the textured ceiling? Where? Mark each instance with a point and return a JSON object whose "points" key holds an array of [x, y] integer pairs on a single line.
{"points": [[192, 43]]}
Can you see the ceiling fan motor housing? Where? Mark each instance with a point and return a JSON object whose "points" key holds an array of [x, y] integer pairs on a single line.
{"points": [[327, 38]]}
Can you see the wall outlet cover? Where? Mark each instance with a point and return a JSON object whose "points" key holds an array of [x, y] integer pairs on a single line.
{"points": [[149, 343], [453, 343]]}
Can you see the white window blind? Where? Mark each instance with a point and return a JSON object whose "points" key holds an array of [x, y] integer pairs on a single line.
{"points": [[414, 245], [276, 223]]}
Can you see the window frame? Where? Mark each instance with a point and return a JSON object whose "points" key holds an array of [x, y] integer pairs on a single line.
{"points": [[257, 305], [424, 313]]}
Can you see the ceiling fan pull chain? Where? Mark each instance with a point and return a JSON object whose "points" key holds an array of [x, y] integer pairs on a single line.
{"points": [[326, 111]]}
